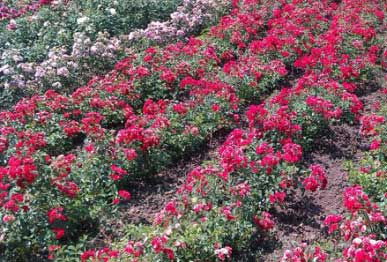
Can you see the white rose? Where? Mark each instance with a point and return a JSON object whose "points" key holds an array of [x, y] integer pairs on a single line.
{"points": [[357, 241], [82, 20], [112, 11], [57, 85]]}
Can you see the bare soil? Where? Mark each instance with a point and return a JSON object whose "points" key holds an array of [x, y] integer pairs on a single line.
{"points": [[148, 197], [300, 219]]}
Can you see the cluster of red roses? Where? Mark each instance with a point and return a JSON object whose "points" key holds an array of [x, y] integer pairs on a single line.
{"points": [[157, 106], [250, 159], [359, 235]]}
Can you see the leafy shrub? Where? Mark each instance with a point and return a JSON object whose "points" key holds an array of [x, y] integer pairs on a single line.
{"points": [[70, 156]]}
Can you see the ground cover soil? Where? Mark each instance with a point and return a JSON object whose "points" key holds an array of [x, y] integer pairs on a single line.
{"points": [[300, 218]]}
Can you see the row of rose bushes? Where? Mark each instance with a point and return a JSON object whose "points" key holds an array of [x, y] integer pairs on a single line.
{"points": [[164, 102], [64, 45], [59, 26], [53, 117], [153, 131], [189, 18], [359, 234], [150, 131], [223, 203]]}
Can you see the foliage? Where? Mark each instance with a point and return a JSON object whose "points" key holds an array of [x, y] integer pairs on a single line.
{"points": [[70, 156]]}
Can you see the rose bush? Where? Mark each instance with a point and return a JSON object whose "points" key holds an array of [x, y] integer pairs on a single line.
{"points": [[359, 234], [12, 9], [42, 48], [67, 157], [67, 57]]}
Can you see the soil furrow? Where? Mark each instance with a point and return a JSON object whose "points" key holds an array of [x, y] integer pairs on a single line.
{"points": [[300, 218]]}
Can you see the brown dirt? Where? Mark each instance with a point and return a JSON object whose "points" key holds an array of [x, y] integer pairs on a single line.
{"points": [[300, 219], [149, 196]]}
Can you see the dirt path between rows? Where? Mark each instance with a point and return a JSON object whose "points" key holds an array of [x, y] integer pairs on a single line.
{"points": [[300, 219], [148, 197]]}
